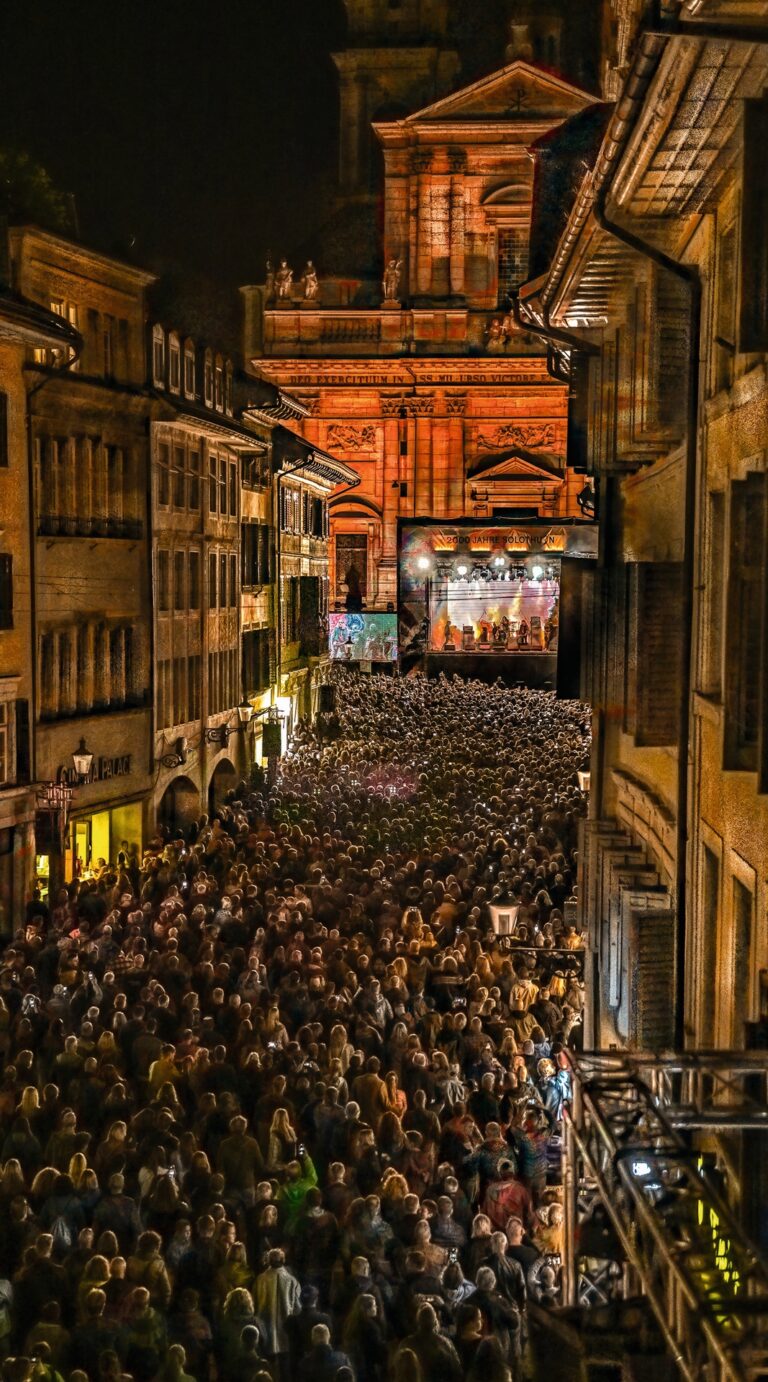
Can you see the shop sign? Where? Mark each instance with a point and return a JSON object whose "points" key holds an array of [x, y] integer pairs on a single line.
{"points": [[102, 769]]}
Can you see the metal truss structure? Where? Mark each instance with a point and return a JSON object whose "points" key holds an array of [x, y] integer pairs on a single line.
{"points": [[667, 1230]]}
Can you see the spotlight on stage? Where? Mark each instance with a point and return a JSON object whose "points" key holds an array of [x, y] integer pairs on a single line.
{"points": [[537, 572], [462, 571], [423, 563]]}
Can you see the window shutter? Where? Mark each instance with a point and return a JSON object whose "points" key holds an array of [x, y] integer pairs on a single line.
{"points": [[753, 315], [578, 413], [652, 979], [575, 583], [3, 429], [23, 764], [6, 590], [659, 652], [746, 579]]}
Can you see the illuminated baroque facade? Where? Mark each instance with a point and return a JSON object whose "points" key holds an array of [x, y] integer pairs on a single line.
{"points": [[421, 381]]}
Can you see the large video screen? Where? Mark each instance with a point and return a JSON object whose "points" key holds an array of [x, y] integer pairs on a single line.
{"points": [[363, 637]]}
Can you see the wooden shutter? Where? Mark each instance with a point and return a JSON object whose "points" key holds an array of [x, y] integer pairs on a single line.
{"points": [[753, 313], [744, 625], [578, 413], [6, 590], [653, 996], [659, 653], [571, 636]]}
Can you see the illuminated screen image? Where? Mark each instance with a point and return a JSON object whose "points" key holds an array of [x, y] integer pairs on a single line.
{"points": [[363, 637]]}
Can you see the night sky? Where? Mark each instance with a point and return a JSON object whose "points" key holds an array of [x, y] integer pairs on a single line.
{"points": [[197, 137]]}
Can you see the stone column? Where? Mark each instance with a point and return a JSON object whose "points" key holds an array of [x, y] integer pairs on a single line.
{"points": [[421, 160], [423, 459], [458, 163], [456, 488]]}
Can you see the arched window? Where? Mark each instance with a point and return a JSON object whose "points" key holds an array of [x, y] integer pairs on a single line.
{"points": [[208, 379], [174, 362], [189, 368], [228, 379], [158, 357], [219, 384]]}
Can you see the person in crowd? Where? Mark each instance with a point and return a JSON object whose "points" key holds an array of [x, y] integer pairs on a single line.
{"points": [[277, 1102]]}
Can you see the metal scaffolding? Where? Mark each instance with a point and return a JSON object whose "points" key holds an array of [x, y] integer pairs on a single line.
{"points": [[627, 1162]]}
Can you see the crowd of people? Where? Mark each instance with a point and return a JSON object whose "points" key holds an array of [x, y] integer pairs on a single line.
{"points": [[277, 1101]]}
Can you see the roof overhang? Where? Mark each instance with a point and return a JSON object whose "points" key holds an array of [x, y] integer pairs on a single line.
{"points": [[293, 453], [672, 137], [27, 323]]}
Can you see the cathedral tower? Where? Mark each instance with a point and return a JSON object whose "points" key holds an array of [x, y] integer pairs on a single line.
{"points": [[399, 58]]}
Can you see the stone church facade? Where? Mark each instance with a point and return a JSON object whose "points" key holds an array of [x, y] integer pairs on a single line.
{"points": [[421, 380]]}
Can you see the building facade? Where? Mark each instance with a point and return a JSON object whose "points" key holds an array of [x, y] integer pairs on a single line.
{"points": [[422, 381], [89, 525], [659, 271], [25, 328]]}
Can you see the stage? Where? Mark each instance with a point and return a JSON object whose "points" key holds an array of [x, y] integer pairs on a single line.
{"points": [[538, 670]]}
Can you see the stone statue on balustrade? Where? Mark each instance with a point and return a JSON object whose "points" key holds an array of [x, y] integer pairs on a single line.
{"points": [[391, 282], [309, 282], [283, 281]]}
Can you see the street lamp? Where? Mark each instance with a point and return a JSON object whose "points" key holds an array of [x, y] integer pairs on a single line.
{"points": [[178, 756], [245, 713], [83, 761], [219, 734]]}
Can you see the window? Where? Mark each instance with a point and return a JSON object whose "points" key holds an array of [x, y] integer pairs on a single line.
{"points": [[194, 479], [179, 597], [194, 665], [158, 357], [710, 883], [742, 952], [746, 568], [232, 580], [164, 710], [753, 325], [108, 346], [233, 489], [512, 261], [163, 575], [189, 369], [208, 379], [213, 484], [179, 478], [114, 483], [163, 477], [223, 580], [194, 580], [351, 556], [212, 583], [714, 597], [179, 690], [6, 771], [174, 363], [228, 380], [725, 325], [218, 400], [6, 590], [3, 429], [223, 486]]}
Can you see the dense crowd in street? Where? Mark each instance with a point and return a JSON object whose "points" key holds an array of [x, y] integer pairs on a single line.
{"points": [[276, 1101]]}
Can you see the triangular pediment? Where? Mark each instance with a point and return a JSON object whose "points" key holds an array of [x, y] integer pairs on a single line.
{"points": [[518, 92], [516, 464]]}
